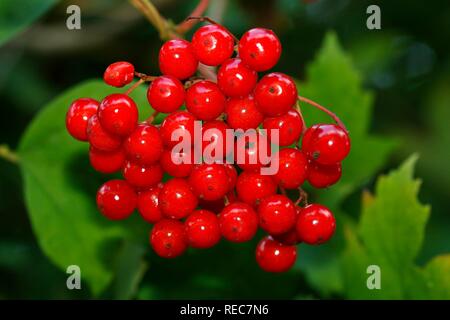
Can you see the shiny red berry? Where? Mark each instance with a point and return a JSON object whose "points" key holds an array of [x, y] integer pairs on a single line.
{"points": [[99, 138], [78, 115], [322, 176], [260, 49], [315, 224], [212, 44], [252, 152], [205, 100], [177, 170], [118, 114], [252, 187], [119, 74], [176, 199], [215, 140], [142, 177], [273, 256], [290, 237], [116, 199], [242, 113], [168, 238], [144, 145], [209, 181], [232, 175], [277, 214], [181, 122], [166, 94], [107, 162], [326, 143], [292, 168], [176, 58], [148, 205], [235, 79], [202, 229], [289, 126], [238, 222], [275, 94]]}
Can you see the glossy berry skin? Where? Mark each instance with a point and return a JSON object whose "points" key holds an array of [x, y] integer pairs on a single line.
{"points": [[148, 205], [235, 79], [315, 224], [209, 181], [78, 115], [176, 58], [99, 138], [107, 162], [176, 170], [166, 94], [326, 143], [242, 113], [232, 175], [202, 229], [212, 44], [290, 237], [275, 94], [118, 114], [252, 152], [178, 120], [292, 168], [238, 222], [116, 199], [168, 238], [176, 199], [142, 177], [214, 138], [273, 256], [289, 126], [252, 187], [119, 74], [323, 176], [205, 100], [260, 49], [144, 145], [277, 214]]}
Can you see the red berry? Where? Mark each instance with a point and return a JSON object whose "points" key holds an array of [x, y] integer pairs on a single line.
{"points": [[209, 181], [322, 176], [119, 74], [205, 100], [176, 170], [232, 175], [107, 162], [118, 114], [290, 127], [273, 256], [99, 138], [78, 115], [275, 94], [148, 206], [142, 177], [214, 137], [144, 145], [326, 143], [315, 224], [116, 199], [252, 187], [277, 214], [292, 168], [202, 229], [242, 113], [168, 238], [180, 121], [252, 152], [176, 58], [290, 238], [166, 94], [235, 79], [176, 199], [238, 222], [260, 49], [212, 44]]}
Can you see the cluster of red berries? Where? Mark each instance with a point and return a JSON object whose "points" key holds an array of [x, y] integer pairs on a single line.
{"points": [[201, 203]]}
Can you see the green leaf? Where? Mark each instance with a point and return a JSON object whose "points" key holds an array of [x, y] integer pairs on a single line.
{"points": [[437, 275], [17, 15], [60, 190]]}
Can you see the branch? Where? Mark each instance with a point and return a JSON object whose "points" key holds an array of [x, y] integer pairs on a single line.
{"points": [[7, 154], [152, 14], [187, 25]]}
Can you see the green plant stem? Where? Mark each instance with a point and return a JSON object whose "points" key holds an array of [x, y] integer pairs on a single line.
{"points": [[7, 154], [152, 14]]}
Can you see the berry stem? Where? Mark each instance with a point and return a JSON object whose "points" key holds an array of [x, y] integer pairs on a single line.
{"points": [[322, 108], [152, 14], [283, 191], [299, 110], [187, 24], [303, 196], [211, 21], [152, 117], [144, 77], [7, 154], [134, 86]]}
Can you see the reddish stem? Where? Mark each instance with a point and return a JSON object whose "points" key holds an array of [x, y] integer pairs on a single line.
{"points": [[144, 77], [303, 196], [152, 117], [299, 110], [134, 86], [187, 24], [322, 108]]}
